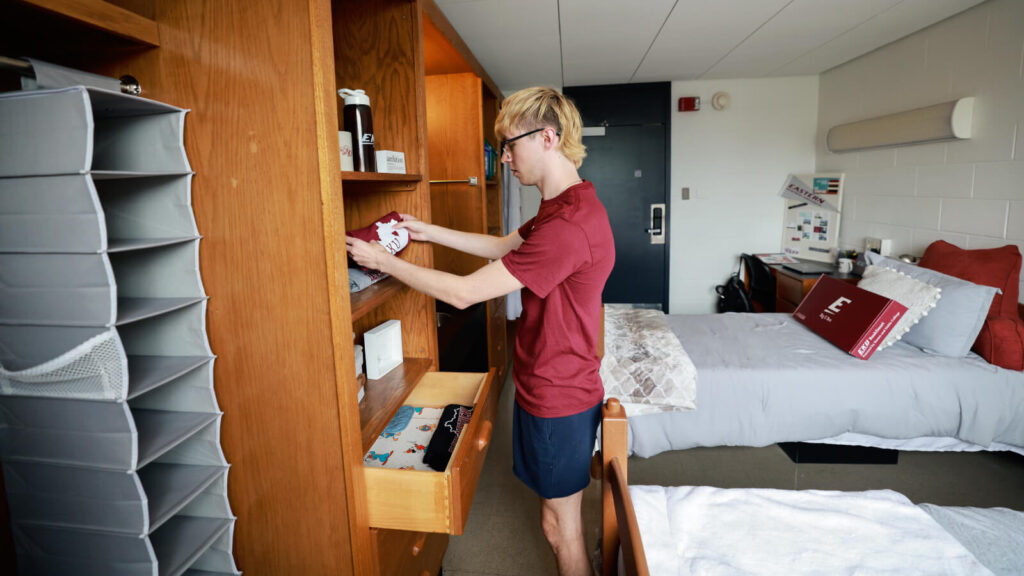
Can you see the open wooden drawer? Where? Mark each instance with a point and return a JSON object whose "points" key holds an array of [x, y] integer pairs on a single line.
{"points": [[437, 501]]}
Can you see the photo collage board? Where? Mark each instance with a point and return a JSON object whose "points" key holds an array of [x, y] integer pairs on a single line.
{"points": [[811, 231]]}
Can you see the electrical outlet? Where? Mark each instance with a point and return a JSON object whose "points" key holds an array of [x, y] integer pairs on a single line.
{"points": [[881, 246], [686, 193]]}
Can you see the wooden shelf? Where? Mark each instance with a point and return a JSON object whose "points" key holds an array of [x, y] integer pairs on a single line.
{"points": [[379, 177], [380, 182], [369, 298], [385, 395], [104, 16]]}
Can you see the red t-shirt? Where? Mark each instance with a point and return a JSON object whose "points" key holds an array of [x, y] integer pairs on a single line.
{"points": [[566, 257]]}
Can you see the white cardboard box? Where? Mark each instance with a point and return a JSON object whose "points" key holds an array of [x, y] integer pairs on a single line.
{"points": [[390, 162], [382, 346]]}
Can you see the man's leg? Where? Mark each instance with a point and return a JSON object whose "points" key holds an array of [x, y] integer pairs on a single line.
{"points": [[562, 522]]}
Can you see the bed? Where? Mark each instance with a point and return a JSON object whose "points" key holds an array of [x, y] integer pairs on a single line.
{"points": [[703, 530], [766, 378], [949, 377]]}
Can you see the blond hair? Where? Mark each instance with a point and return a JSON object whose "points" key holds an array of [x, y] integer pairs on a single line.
{"points": [[540, 107]]}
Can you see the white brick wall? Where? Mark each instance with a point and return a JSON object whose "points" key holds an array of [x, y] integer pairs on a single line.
{"points": [[970, 192]]}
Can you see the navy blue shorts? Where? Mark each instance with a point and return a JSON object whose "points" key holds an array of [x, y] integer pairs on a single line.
{"points": [[552, 455]]}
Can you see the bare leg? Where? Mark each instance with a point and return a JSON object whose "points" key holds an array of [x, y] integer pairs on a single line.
{"points": [[562, 522]]}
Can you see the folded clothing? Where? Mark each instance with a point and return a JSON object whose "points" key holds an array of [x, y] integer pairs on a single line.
{"points": [[383, 232], [453, 419], [359, 279], [404, 440]]}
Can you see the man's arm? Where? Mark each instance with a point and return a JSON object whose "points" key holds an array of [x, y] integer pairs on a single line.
{"points": [[491, 281], [482, 245]]}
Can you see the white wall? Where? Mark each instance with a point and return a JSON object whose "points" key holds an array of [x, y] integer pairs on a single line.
{"points": [[734, 162], [530, 202], [968, 192]]}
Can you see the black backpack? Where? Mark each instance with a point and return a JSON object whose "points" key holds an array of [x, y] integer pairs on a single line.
{"points": [[732, 296]]}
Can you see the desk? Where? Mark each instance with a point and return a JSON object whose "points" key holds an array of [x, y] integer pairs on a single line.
{"points": [[791, 287]]}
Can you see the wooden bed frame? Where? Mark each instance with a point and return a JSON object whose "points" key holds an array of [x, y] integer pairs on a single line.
{"points": [[610, 465]]}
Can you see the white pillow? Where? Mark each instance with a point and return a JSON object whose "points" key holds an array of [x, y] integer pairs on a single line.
{"points": [[917, 296]]}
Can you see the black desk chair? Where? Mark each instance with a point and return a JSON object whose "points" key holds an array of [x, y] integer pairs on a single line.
{"points": [[759, 282]]}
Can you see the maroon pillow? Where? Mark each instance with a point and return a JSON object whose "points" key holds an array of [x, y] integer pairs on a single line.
{"points": [[996, 267], [1001, 340]]}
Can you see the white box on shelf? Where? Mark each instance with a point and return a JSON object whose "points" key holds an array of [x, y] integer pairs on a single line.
{"points": [[390, 162], [359, 359], [382, 346]]}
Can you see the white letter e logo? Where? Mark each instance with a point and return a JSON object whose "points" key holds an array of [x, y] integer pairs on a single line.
{"points": [[834, 307]]}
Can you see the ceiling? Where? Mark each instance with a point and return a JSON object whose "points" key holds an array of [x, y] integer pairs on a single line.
{"points": [[587, 42]]}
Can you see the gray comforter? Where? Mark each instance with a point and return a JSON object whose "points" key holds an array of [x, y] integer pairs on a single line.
{"points": [[765, 378]]}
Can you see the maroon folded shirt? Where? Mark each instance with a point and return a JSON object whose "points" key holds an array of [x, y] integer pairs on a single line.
{"points": [[384, 233]]}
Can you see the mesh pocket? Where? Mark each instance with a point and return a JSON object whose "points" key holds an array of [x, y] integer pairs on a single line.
{"points": [[97, 369]]}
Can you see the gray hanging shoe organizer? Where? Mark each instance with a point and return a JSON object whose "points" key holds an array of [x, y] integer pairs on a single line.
{"points": [[109, 424]]}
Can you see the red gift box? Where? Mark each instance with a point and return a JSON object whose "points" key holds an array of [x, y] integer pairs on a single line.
{"points": [[849, 317]]}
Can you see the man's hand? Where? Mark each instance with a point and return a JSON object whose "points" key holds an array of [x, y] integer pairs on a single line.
{"points": [[367, 254], [416, 227]]}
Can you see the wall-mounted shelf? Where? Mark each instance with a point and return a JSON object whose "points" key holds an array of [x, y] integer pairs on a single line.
{"points": [[369, 298], [106, 17], [361, 182], [379, 177]]}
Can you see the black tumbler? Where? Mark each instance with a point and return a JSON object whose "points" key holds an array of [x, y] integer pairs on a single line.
{"points": [[359, 121]]}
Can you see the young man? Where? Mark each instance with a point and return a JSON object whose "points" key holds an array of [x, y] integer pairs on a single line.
{"points": [[562, 257]]}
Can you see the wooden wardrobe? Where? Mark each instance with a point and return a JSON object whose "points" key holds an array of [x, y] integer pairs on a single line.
{"points": [[261, 78]]}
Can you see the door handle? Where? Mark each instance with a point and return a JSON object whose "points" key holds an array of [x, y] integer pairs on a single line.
{"points": [[657, 225]]}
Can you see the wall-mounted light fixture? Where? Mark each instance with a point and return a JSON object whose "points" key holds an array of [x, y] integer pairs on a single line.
{"points": [[946, 121]]}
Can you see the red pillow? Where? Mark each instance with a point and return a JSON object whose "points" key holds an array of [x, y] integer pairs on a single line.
{"points": [[1001, 340], [996, 267]]}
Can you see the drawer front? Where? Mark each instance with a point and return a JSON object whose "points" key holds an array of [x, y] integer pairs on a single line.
{"points": [[403, 553], [436, 501], [789, 289], [784, 306], [474, 445]]}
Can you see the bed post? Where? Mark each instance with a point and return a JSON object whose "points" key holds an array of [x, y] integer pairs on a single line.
{"points": [[614, 439]]}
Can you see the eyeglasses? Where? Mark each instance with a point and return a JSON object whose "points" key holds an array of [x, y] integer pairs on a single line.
{"points": [[506, 144]]}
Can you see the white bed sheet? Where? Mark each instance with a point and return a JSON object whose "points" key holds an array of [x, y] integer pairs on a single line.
{"points": [[712, 531]]}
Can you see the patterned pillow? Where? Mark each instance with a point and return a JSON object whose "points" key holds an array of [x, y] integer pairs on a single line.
{"points": [[644, 365], [917, 296]]}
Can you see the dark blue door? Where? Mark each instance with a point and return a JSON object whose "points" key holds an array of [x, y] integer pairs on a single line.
{"points": [[628, 165]]}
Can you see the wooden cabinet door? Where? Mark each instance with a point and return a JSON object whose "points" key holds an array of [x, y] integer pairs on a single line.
{"points": [[455, 129], [456, 151]]}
